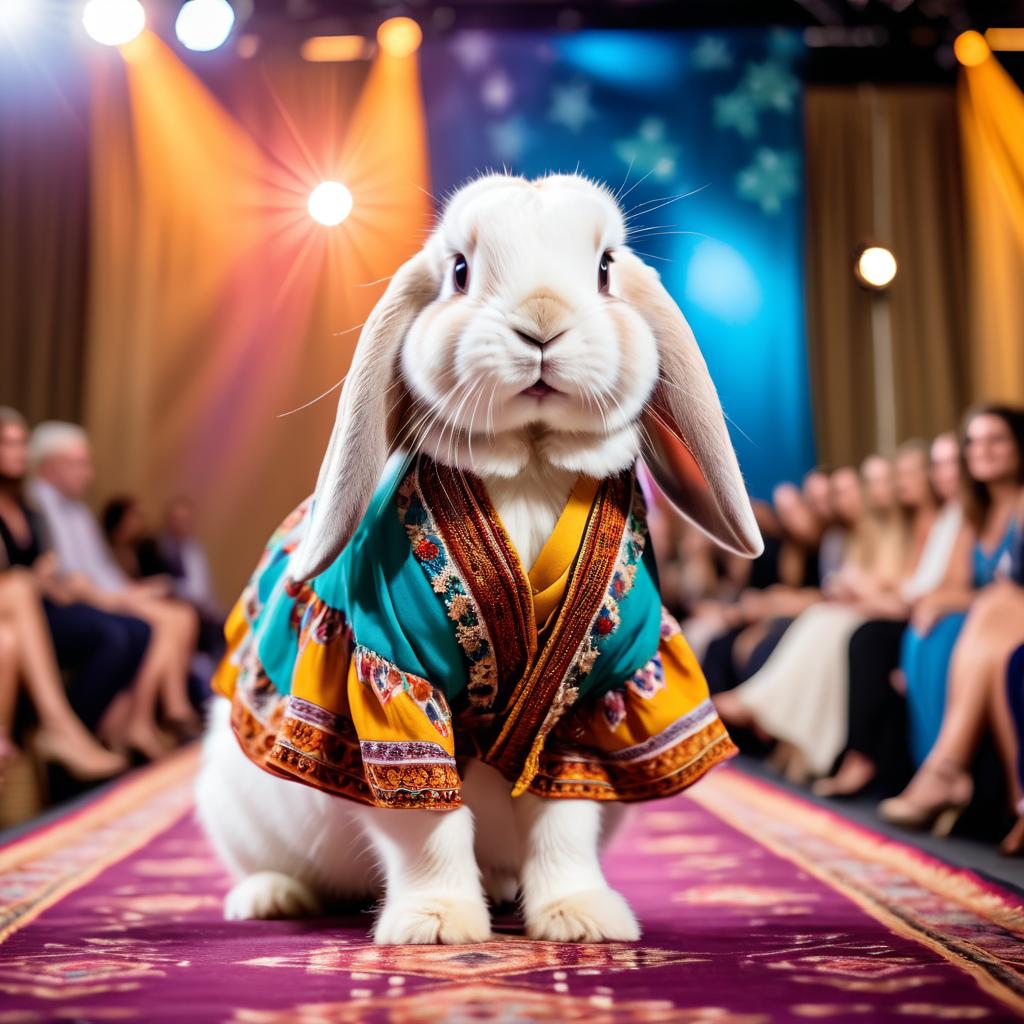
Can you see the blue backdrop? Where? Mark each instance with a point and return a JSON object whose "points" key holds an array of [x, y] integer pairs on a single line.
{"points": [[718, 115]]}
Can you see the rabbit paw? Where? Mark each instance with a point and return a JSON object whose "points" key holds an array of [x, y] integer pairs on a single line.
{"points": [[594, 915], [269, 894], [452, 921]]}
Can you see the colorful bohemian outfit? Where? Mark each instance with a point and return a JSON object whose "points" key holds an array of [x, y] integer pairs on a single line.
{"points": [[426, 643]]}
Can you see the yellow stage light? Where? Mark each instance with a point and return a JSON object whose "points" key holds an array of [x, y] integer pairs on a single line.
{"points": [[971, 49], [399, 37], [330, 203], [335, 48], [875, 267], [113, 22]]}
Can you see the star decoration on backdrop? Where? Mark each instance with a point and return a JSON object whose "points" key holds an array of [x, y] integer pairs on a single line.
{"points": [[649, 151], [769, 180], [712, 53], [497, 91], [571, 106], [771, 86], [736, 110], [508, 138]]}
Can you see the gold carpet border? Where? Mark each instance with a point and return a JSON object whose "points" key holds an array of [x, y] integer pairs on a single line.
{"points": [[169, 783], [762, 800]]}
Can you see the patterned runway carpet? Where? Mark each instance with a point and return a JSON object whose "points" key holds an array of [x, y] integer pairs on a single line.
{"points": [[757, 908]]}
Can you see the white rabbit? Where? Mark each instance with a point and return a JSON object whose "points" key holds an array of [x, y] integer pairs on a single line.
{"points": [[527, 344]]}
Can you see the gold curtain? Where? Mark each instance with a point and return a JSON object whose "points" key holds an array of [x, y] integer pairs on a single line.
{"points": [[992, 131], [44, 209], [882, 166], [217, 304]]}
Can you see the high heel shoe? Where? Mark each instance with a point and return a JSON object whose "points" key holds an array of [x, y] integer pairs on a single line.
{"points": [[92, 766], [939, 816]]}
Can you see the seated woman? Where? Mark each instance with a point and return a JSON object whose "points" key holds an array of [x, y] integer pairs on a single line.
{"points": [[756, 622], [102, 651], [985, 682], [928, 489], [26, 655], [799, 697], [992, 470]]}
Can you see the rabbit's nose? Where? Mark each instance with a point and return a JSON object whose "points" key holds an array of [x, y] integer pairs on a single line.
{"points": [[532, 339]]}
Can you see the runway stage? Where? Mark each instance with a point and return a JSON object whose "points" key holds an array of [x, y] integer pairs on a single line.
{"points": [[757, 907]]}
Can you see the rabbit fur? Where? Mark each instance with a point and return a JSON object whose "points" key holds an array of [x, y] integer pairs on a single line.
{"points": [[539, 364]]}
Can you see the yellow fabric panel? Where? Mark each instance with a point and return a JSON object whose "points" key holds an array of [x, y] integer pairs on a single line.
{"points": [[646, 716], [321, 673], [401, 720], [236, 629], [550, 572]]}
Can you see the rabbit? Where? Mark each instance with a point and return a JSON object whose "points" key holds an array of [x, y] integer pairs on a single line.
{"points": [[527, 344]]}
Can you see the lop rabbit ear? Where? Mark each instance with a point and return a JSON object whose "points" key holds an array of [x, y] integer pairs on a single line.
{"points": [[687, 446], [364, 429]]}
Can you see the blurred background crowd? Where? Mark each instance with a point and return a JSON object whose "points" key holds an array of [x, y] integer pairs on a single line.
{"points": [[877, 645], [201, 201]]}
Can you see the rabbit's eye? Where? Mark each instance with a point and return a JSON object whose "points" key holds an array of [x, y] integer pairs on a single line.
{"points": [[602, 271], [460, 272]]}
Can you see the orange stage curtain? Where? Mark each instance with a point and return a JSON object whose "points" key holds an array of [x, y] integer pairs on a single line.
{"points": [[992, 133], [216, 302]]}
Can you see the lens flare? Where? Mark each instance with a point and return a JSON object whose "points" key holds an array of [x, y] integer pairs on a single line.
{"points": [[330, 203]]}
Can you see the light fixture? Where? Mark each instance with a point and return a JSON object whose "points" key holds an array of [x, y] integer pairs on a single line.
{"points": [[399, 37], [335, 48], [875, 267], [204, 24], [330, 203], [113, 22], [971, 49]]}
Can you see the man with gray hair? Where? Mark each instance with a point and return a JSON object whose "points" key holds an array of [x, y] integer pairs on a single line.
{"points": [[63, 471]]}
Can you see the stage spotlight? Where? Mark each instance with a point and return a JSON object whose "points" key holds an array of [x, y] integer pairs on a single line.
{"points": [[971, 49], [399, 37], [113, 22], [875, 267], [330, 203], [204, 24]]}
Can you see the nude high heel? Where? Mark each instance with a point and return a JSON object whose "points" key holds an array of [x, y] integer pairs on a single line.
{"points": [[937, 816]]}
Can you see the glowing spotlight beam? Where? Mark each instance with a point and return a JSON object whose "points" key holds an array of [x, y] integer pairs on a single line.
{"points": [[330, 203]]}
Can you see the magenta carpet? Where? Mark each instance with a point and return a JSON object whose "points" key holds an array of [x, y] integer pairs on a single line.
{"points": [[757, 908]]}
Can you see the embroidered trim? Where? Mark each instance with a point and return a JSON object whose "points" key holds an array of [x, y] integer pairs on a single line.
{"points": [[605, 622], [660, 766], [612, 544], [387, 680], [445, 579], [411, 774]]}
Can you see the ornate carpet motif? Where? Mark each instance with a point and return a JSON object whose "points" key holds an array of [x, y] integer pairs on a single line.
{"points": [[757, 908]]}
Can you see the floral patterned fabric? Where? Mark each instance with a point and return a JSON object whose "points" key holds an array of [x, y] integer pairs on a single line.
{"points": [[427, 642]]}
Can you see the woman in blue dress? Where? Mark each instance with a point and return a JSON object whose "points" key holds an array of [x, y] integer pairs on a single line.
{"points": [[992, 470]]}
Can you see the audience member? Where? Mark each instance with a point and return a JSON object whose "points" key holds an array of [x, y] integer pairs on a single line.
{"points": [[992, 470], [62, 463], [876, 748]]}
